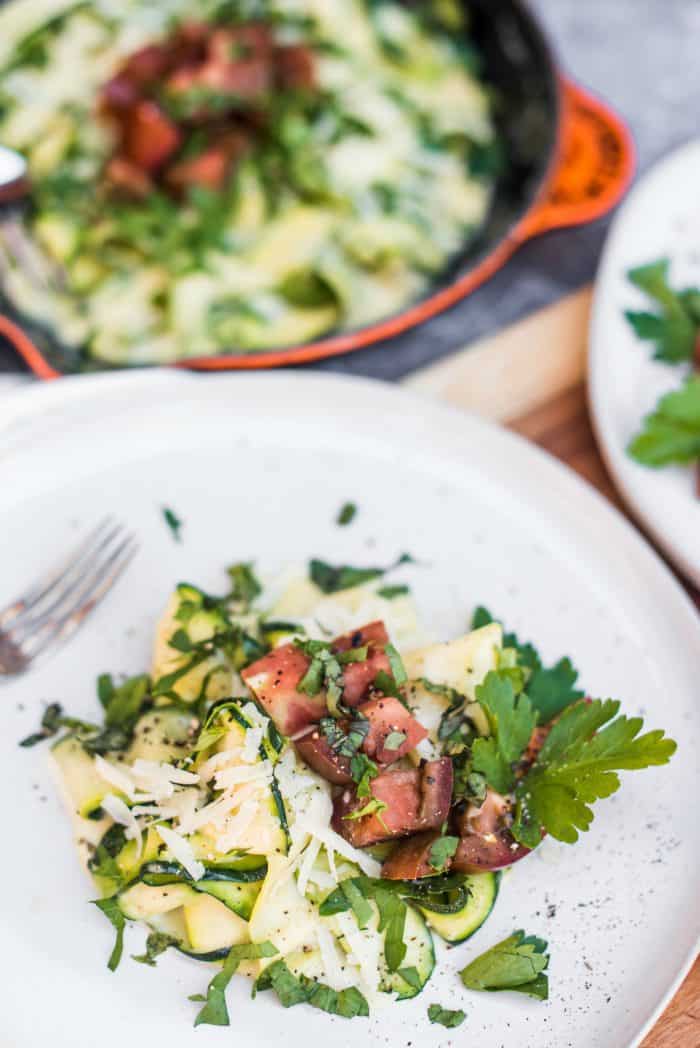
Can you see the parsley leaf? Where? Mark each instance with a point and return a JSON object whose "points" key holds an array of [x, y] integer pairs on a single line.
{"points": [[674, 330], [110, 908], [577, 765], [517, 963], [446, 1017], [441, 851], [156, 943], [512, 721], [173, 522], [549, 690], [347, 513], [215, 1012], [671, 433], [292, 990]]}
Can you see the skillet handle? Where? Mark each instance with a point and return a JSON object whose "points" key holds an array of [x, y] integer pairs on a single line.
{"points": [[594, 166], [26, 349]]}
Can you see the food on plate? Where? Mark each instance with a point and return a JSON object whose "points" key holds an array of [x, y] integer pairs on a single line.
{"points": [[304, 788], [671, 432], [220, 177]]}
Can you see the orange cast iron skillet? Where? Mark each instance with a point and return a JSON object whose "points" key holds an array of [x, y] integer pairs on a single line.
{"points": [[569, 160]]}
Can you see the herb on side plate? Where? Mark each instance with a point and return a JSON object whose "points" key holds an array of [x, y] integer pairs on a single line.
{"points": [[577, 765], [215, 1012], [173, 522], [347, 513], [675, 326], [446, 1017], [517, 963], [292, 990], [671, 433]]}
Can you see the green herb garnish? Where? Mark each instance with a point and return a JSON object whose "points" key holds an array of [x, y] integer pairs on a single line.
{"points": [[292, 990], [446, 1017], [391, 592], [674, 328], [517, 963], [332, 579], [441, 852], [173, 521], [156, 944], [348, 512], [215, 1012], [577, 765], [512, 721], [671, 433], [110, 908]]}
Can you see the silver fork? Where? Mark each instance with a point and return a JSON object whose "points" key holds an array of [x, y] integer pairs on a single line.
{"points": [[34, 625]]}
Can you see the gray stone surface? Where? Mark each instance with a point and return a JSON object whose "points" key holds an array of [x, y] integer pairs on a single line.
{"points": [[643, 56]]}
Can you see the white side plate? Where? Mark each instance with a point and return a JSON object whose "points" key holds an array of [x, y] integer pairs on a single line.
{"points": [[661, 218], [257, 467]]}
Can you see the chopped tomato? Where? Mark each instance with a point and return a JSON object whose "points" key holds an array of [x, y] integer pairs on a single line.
{"points": [[373, 633], [386, 715], [150, 137], [315, 749], [211, 168], [124, 176], [358, 677], [478, 852], [294, 67], [410, 859], [274, 680], [406, 804], [147, 65]]}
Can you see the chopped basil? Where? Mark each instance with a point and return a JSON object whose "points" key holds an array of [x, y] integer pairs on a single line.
{"points": [[215, 1012], [392, 921], [390, 592], [110, 908], [373, 807], [245, 586], [332, 579], [394, 740], [156, 944], [348, 512], [442, 851], [51, 723], [173, 522], [397, 666], [292, 990], [446, 1017], [363, 770]]}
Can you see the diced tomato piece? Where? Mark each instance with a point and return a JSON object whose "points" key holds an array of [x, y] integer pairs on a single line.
{"points": [[295, 67], [124, 176], [118, 95], [386, 715], [436, 792], [237, 43], [358, 677], [147, 65], [410, 859], [486, 842], [410, 798], [315, 749], [248, 80], [373, 633], [274, 680], [478, 852], [211, 168], [150, 138]]}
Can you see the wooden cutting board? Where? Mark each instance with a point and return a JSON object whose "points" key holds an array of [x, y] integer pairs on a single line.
{"points": [[531, 378]]}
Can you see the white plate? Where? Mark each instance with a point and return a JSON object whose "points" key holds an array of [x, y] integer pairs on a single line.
{"points": [[257, 467], [661, 217]]}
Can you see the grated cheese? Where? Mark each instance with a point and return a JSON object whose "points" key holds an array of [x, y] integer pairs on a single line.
{"points": [[182, 851]]}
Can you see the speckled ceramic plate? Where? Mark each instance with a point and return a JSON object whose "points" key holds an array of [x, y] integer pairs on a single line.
{"points": [[661, 218], [257, 468]]}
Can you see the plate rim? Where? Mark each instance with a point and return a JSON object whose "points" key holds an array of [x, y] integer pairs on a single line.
{"points": [[26, 405], [615, 460]]}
